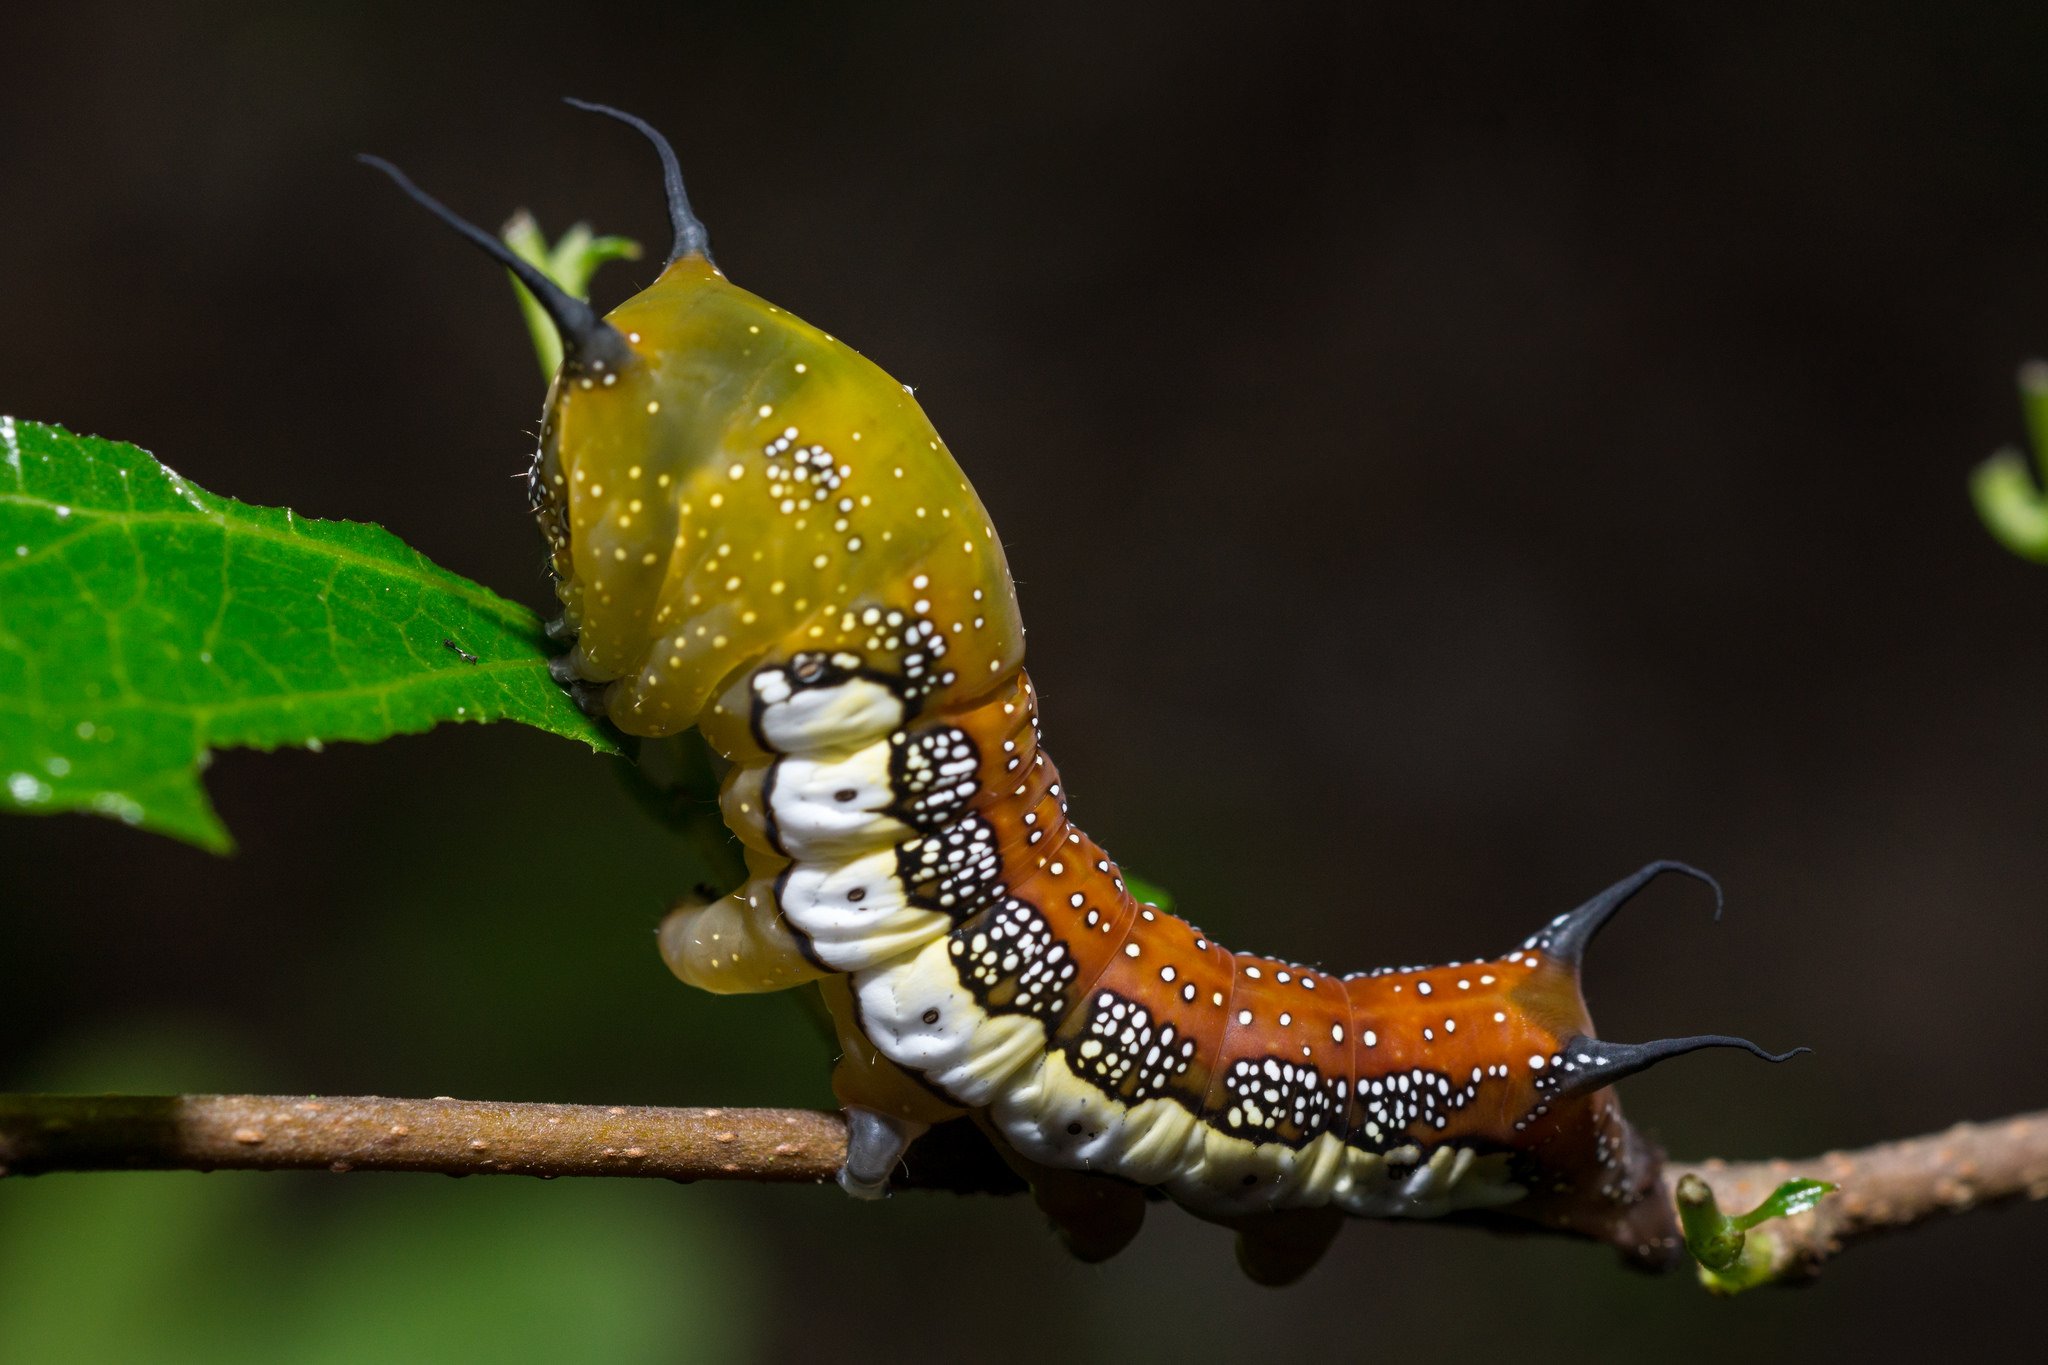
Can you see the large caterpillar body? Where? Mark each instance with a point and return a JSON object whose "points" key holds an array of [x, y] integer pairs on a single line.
{"points": [[757, 532]]}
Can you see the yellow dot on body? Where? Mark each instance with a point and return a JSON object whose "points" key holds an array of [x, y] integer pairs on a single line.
{"points": [[619, 553], [718, 642], [633, 506], [776, 587], [597, 490], [767, 410], [820, 561], [718, 499], [647, 558], [800, 367], [654, 405]]}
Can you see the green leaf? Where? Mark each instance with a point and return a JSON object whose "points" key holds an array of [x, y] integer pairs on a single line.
{"points": [[145, 622], [1789, 1199], [2008, 497], [2011, 507], [1148, 892]]}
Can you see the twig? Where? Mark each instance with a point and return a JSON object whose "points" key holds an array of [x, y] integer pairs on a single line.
{"points": [[1886, 1188], [45, 1133]]}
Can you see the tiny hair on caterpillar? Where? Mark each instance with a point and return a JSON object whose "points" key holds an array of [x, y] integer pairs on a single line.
{"points": [[756, 532]]}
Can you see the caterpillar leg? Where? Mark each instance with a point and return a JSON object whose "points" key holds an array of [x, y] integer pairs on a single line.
{"points": [[886, 1111], [1278, 1248], [875, 1144], [735, 944], [588, 696], [1095, 1216]]}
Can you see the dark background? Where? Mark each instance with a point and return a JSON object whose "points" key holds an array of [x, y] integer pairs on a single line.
{"points": [[1447, 462]]}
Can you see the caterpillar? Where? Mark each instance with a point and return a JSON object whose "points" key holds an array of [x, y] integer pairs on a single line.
{"points": [[757, 532]]}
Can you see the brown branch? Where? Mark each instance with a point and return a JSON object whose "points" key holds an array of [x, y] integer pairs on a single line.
{"points": [[45, 1133], [1884, 1188]]}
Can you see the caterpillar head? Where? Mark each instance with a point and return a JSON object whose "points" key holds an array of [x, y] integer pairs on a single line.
{"points": [[722, 484]]}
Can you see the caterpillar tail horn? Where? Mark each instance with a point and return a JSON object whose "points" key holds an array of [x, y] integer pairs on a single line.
{"points": [[688, 235], [1566, 937], [1590, 1063], [588, 339]]}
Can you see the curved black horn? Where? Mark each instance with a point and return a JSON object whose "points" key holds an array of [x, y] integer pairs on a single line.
{"points": [[688, 234], [1566, 936], [1584, 1065], [587, 339]]}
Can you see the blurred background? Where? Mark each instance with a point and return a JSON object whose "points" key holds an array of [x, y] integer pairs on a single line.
{"points": [[1579, 398]]}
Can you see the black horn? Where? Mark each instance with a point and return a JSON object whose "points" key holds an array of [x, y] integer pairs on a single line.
{"points": [[1583, 1065], [688, 236], [587, 339], [1566, 937]]}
